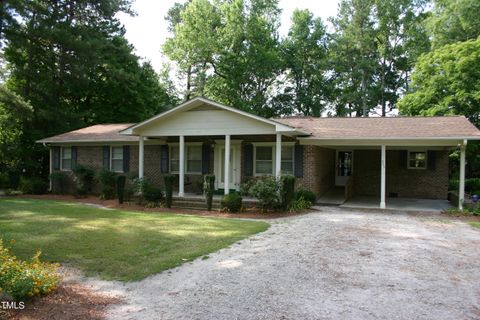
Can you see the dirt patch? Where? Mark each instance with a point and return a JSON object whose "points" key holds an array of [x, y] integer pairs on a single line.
{"points": [[249, 213], [71, 301]]}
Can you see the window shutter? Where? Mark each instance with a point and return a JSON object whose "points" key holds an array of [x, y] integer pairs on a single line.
{"points": [[431, 159], [126, 159], [74, 157], [106, 157], [403, 161], [206, 148], [164, 158], [299, 161], [56, 158], [248, 160]]}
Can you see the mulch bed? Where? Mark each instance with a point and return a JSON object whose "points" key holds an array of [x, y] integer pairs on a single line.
{"points": [[250, 213], [71, 301]]}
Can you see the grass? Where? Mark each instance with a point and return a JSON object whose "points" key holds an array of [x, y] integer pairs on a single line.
{"points": [[475, 224], [115, 244]]}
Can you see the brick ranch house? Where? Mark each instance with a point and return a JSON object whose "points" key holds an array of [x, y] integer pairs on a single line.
{"points": [[382, 157]]}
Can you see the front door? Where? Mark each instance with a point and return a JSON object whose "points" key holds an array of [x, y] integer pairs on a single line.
{"points": [[344, 167], [219, 168]]}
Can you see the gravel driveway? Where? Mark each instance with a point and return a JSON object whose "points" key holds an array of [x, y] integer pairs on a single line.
{"points": [[333, 264]]}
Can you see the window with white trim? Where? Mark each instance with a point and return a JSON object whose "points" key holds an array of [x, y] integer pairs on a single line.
{"points": [[193, 158], [417, 159], [66, 158], [287, 159], [264, 160], [174, 159], [116, 158]]}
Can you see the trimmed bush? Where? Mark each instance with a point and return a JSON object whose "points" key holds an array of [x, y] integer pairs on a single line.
{"points": [[84, 178], [209, 189], [299, 205], [287, 192], [232, 202], [121, 181], [3, 180], [33, 185], [246, 187], [107, 180], [26, 279], [59, 182], [306, 194], [266, 190], [149, 192], [168, 179]]}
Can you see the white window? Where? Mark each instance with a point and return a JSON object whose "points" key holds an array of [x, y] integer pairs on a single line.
{"points": [[174, 159], [263, 160], [66, 158], [417, 160], [193, 158], [116, 155], [287, 159]]}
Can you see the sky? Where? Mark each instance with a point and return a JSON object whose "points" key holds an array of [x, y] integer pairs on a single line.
{"points": [[147, 30]]}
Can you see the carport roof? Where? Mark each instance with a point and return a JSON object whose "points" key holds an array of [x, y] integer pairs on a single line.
{"points": [[441, 127]]}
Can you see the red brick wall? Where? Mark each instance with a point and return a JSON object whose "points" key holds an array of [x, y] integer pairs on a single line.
{"points": [[407, 183]]}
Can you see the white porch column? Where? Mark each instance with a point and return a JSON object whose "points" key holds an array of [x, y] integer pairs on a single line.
{"points": [[50, 167], [382, 180], [141, 157], [181, 177], [461, 191], [227, 165], [278, 156]]}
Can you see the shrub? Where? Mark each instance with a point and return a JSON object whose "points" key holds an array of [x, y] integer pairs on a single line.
{"points": [[107, 180], [266, 190], [13, 179], [33, 185], [3, 180], [121, 180], [299, 205], [232, 202], [147, 190], [84, 177], [59, 182], [209, 189], [246, 187], [287, 192], [26, 279], [10, 192], [306, 194], [168, 179]]}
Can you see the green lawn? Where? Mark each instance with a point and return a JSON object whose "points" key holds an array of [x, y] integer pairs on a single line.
{"points": [[114, 244], [475, 224]]}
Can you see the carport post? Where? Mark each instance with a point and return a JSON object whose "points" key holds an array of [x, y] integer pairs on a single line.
{"points": [[181, 176], [226, 166], [382, 180], [140, 156], [278, 155], [461, 191]]}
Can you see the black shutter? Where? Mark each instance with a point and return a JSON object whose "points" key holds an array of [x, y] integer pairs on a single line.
{"points": [[164, 158], [126, 159], [56, 158], [74, 157], [431, 159], [106, 157], [248, 160], [402, 160], [299, 161], [206, 158]]}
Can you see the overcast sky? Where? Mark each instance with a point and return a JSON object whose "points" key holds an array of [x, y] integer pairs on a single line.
{"points": [[147, 30]]}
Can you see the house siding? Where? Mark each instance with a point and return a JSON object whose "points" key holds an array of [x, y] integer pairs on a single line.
{"points": [[318, 169], [406, 183]]}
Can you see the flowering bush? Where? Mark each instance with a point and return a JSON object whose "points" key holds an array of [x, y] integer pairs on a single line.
{"points": [[26, 279]]}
